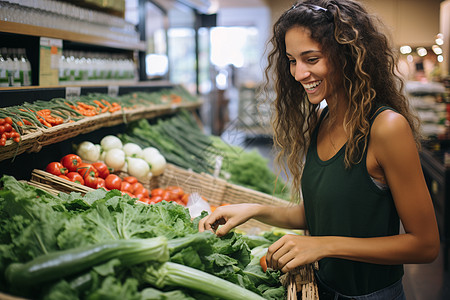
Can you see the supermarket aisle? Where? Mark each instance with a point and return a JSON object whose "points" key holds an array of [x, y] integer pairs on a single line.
{"points": [[421, 282]]}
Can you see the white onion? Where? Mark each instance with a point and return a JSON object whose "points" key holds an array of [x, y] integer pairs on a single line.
{"points": [[111, 142], [88, 151], [115, 158], [132, 150]]}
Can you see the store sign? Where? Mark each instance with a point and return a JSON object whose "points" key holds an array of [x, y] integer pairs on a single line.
{"points": [[50, 52]]}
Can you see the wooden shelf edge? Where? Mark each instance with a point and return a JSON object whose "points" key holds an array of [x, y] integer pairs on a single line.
{"points": [[25, 29], [102, 85]]}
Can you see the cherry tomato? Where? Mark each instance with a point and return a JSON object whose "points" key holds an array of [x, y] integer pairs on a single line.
{"points": [[64, 177], [130, 179], [113, 182], [8, 120], [102, 168], [263, 263], [90, 180], [71, 162], [56, 168], [101, 183], [2, 121], [75, 177], [85, 168], [2, 129], [157, 192], [8, 127]]}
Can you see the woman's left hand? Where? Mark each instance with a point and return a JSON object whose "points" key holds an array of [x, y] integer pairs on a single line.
{"points": [[291, 251]]}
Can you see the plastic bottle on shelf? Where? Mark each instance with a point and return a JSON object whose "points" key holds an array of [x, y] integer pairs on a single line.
{"points": [[90, 67], [16, 67], [3, 70], [25, 68], [71, 67], [63, 69], [9, 65]]}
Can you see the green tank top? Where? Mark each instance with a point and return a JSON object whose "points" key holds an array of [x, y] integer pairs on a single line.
{"points": [[346, 202]]}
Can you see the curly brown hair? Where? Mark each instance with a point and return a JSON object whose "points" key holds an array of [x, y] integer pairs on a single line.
{"points": [[359, 53]]}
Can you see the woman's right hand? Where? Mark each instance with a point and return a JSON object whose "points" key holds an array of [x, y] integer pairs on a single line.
{"points": [[228, 216]]}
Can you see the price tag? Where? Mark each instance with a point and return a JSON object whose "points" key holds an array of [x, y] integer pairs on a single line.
{"points": [[73, 92], [113, 90]]}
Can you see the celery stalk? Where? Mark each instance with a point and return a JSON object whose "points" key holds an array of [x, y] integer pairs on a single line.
{"points": [[173, 274]]}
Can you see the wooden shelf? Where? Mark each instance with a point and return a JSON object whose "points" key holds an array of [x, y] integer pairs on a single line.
{"points": [[141, 84], [25, 29]]}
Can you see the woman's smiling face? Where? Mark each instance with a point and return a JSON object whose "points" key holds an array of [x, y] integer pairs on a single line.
{"points": [[308, 64]]}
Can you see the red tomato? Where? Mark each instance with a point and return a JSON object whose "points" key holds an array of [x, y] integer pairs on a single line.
{"points": [[130, 179], [102, 168], [85, 168], [139, 195], [75, 177], [129, 194], [263, 263], [157, 192], [113, 182], [8, 127], [90, 180], [185, 199], [64, 177], [101, 183], [8, 120], [136, 187], [178, 191], [56, 168], [145, 200], [169, 196], [145, 192], [126, 187], [155, 199], [71, 162]]}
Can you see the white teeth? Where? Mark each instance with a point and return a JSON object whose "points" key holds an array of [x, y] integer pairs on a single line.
{"points": [[311, 86]]}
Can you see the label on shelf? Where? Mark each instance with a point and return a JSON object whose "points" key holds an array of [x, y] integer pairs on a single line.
{"points": [[49, 56], [113, 90], [73, 92]]}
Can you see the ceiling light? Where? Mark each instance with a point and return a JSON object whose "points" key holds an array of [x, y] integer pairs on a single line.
{"points": [[405, 49], [421, 51]]}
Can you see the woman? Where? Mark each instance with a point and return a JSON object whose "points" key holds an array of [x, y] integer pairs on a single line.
{"points": [[355, 162]]}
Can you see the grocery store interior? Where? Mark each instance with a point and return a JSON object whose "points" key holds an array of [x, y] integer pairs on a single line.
{"points": [[159, 57]]}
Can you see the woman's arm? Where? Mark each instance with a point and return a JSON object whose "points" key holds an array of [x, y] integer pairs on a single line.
{"points": [[396, 153], [230, 216]]}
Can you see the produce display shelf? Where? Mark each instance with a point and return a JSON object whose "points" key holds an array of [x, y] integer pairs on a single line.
{"points": [[35, 140], [32, 30]]}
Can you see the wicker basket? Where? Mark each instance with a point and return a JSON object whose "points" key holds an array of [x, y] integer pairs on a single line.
{"points": [[217, 191], [66, 131], [27, 144]]}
